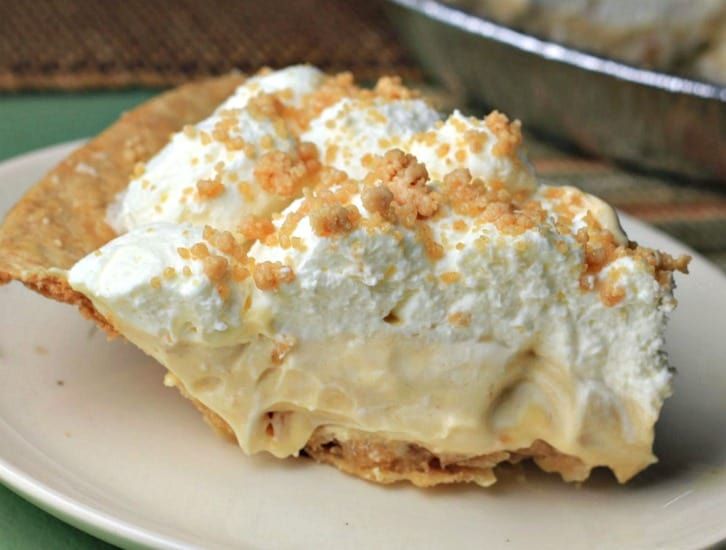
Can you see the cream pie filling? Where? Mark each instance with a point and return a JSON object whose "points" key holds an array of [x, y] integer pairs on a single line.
{"points": [[448, 301]]}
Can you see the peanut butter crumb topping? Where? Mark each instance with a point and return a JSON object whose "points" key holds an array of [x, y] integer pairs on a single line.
{"points": [[225, 242], [491, 202], [433, 249], [215, 267], [392, 88], [460, 319], [199, 251], [286, 174], [224, 132], [601, 249], [270, 275], [266, 106], [256, 228], [407, 181], [333, 89], [509, 134], [450, 277], [332, 219], [209, 188], [377, 200]]}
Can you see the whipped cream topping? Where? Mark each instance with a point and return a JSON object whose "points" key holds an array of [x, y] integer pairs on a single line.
{"points": [[295, 82], [351, 129], [452, 302], [147, 283], [485, 147], [166, 188]]}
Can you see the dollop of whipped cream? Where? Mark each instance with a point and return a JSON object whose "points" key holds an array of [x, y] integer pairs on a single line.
{"points": [[159, 291], [354, 129], [294, 83], [408, 231], [205, 173]]}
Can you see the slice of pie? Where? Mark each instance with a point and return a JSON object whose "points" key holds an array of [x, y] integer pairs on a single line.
{"points": [[344, 273]]}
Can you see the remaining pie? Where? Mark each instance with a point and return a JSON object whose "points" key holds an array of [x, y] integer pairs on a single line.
{"points": [[684, 36], [341, 272]]}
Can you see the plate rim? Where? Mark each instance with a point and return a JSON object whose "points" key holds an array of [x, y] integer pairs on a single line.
{"points": [[121, 532]]}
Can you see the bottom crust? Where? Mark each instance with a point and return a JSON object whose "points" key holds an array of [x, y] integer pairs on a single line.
{"points": [[382, 460]]}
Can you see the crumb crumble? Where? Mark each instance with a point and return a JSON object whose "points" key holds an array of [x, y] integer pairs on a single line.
{"points": [[270, 275], [460, 319], [332, 219], [509, 134], [256, 228], [285, 174]]}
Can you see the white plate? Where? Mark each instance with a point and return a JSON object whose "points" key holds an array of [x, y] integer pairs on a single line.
{"points": [[117, 454]]}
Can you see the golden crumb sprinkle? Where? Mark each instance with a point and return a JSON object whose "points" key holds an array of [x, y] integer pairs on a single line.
{"points": [[184, 253], [459, 225], [509, 135], [476, 140], [333, 219], [330, 177], [460, 319], [407, 179], [226, 131], [377, 200], [601, 249], [169, 272], [491, 202], [434, 250], [199, 251], [265, 106], [333, 89], [222, 289], [610, 292], [239, 272], [155, 282], [270, 275], [392, 88], [266, 142], [246, 190], [285, 174], [209, 188], [187, 271], [225, 242], [451, 277], [215, 267], [256, 228]]}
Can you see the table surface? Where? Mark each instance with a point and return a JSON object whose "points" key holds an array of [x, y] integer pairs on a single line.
{"points": [[693, 213]]}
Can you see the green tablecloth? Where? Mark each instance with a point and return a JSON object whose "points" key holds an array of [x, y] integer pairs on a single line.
{"points": [[27, 122]]}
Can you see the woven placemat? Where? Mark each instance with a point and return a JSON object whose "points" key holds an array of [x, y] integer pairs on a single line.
{"points": [[74, 44]]}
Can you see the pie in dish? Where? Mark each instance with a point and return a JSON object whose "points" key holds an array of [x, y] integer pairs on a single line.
{"points": [[343, 272], [683, 36]]}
